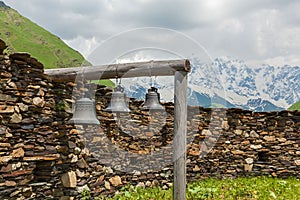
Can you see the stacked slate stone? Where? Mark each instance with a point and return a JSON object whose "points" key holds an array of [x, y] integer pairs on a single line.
{"points": [[26, 140], [44, 157], [221, 143], [250, 144]]}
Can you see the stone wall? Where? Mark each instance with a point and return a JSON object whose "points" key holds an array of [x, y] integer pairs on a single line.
{"points": [[43, 157]]}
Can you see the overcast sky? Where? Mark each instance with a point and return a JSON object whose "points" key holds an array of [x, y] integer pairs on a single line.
{"points": [[263, 31]]}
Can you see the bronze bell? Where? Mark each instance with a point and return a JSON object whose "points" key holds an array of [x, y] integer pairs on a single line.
{"points": [[118, 101], [152, 101], [85, 112]]}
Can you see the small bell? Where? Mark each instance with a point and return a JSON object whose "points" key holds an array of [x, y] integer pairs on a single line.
{"points": [[152, 101], [118, 101], [85, 112]]}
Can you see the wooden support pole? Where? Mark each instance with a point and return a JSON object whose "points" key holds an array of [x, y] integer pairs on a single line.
{"points": [[179, 141], [125, 70]]}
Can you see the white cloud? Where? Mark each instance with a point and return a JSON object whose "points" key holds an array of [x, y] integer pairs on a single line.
{"points": [[83, 45], [248, 30]]}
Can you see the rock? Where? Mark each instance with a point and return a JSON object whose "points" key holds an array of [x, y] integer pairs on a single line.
{"points": [[2, 46], [269, 138], [20, 56], [38, 101], [6, 74], [5, 159], [253, 134], [5, 145], [16, 118], [281, 139], [136, 173], [206, 132], [108, 170], [115, 181], [274, 174], [66, 198], [77, 150], [297, 162], [238, 132], [155, 183], [8, 98], [141, 184], [249, 160], [72, 145], [16, 165], [225, 125], [62, 149], [248, 167], [69, 179], [196, 168], [165, 187], [7, 168], [18, 153], [255, 146], [82, 164], [27, 100], [100, 178], [107, 185], [74, 158], [12, 85], [237, 152], [193, 152], [10, 183], [35, 87], [245, 143], [83, 188], [79, 173], [288, 142], [18, 173], [148, 183], [6, 109], [15, 193]]}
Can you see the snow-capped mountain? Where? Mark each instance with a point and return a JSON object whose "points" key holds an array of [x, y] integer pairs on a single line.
{"points": [[229, 83]]}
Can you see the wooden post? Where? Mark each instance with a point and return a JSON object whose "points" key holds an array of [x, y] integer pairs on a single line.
{"points": [[179, 141]]}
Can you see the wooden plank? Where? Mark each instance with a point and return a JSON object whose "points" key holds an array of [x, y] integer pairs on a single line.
{"points": [[125, 70], [179, 140]]}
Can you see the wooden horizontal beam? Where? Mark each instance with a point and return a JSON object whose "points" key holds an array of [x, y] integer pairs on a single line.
{"points": [[124, 70]]}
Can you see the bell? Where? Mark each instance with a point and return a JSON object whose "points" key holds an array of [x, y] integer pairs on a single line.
{"points": [[118, 101], [152, 101], [85, 112]]}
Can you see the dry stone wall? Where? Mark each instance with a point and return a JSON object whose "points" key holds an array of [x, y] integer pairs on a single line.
{"points": [[43, 157]]}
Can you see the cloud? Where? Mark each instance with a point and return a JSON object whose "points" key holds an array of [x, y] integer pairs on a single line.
{"points": [[243, 29]]}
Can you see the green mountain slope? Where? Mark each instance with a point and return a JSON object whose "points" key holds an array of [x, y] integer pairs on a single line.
{"points": [[22, 35], [295, 106]]}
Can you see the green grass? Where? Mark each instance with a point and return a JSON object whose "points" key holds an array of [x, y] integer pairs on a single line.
{"points": [[106, 82], [213, 189], [22, 35], [295, 106]]}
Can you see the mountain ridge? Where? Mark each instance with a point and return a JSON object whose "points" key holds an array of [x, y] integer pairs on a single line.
{"points": [[2, 4], [231, 83], [23, 35]]}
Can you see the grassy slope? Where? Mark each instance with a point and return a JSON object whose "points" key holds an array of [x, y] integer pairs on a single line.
{"points": [[242, 188], [22, 35], [295, 106]]}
